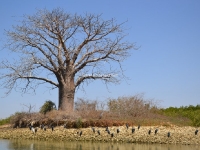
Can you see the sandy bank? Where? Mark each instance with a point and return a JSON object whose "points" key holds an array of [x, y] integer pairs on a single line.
{"points": [[178, 135]]}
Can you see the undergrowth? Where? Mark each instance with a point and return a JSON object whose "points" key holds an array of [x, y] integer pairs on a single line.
{"points": [[5, 121], [133, 110]]}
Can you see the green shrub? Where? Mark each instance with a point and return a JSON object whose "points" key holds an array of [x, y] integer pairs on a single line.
{"points": [[5, 121], [190, 112], [79, 123], [48, 106]]}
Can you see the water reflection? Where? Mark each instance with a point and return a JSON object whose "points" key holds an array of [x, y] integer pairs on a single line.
{"points": [[50, 145]]}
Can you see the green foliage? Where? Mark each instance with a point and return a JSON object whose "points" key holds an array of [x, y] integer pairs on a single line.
{"points": [[79, 123], [48, 106], [5, 121], [191, 112]]}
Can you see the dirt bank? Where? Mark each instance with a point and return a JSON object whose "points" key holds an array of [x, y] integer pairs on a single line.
{"points": [[177, 135]]}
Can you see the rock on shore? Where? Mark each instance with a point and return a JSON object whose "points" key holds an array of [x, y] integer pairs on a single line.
{"points": [[146, 134]]}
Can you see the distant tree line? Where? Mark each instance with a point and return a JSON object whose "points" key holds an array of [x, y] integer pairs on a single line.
{"points": [[191, 112]]}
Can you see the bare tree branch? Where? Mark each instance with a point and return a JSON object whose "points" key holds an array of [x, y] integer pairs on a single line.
{"points": [[63, 50]]}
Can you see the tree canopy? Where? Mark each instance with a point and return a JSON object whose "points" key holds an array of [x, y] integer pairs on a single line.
{"points": [[64, 50]]}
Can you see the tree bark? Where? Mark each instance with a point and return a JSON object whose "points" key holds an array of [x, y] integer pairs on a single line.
{"points": [[66, 95]]}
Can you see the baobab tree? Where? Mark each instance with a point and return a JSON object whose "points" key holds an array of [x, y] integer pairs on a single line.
{"points": [[63, 50]]}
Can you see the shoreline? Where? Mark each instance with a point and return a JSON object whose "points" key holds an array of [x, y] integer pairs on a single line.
{"points": [[178, 135]]}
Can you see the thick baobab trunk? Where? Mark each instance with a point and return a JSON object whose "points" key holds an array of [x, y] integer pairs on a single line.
{"points": [[66, 95]]}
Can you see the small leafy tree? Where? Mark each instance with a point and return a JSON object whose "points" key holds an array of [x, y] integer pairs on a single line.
{"points": [[48, 106]]}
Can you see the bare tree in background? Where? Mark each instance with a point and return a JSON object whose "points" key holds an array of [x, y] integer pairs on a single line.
{"points": [[65, 51]]}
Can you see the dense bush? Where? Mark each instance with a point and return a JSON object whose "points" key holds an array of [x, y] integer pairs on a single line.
{"points": [[85, 105], [133, 110], [5, 121], [22, 119], [191, 112], [134, 106], [48, 106], [79, 123], [16, 117]]}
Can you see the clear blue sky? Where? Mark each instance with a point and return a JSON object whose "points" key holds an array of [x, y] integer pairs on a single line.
{"points": [[166, 68]]}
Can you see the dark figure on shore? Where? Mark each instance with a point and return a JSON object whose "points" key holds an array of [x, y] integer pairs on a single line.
{"points": [[127, 126], [112, 134], [44, 128], [52, 128], [30, 127], [108, 131], [196, 132], [156, 131], [133, 130], [35, 130], [98, 132], [117, 130], [80, 133], [168, 134], [93, 129], [138, 127], [149, 131], [41, 126]]}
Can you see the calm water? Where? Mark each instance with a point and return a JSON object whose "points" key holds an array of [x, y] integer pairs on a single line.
{"points": [[44, 145]]}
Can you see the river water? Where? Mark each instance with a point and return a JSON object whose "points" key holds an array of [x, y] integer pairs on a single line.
{"points": [[50, 145]]}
